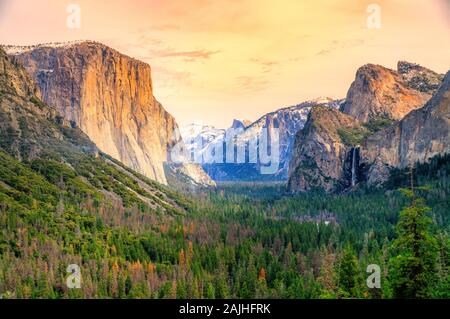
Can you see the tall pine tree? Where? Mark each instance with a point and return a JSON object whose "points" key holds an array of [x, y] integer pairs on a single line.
{"points": [[413, 269]]}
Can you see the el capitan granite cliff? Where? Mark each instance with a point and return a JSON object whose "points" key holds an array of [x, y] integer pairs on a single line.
{"points": [[109, 96]]}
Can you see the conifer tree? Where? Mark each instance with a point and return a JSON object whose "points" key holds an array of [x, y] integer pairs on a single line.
{"points": [[413, 269], [349, 279]]}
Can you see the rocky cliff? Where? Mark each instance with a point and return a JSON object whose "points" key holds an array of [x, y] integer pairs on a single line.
{"points": [[240, 124], [422, 134], [28, 127], [109, 96], [43, 158], [419, 78], [381, 125], [321, 152], [379, 92]]}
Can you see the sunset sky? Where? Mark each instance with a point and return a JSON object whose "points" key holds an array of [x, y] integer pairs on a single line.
{"points": [[215, 60]]}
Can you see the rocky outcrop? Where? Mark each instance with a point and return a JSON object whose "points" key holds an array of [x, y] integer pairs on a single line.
{"points": [[321, 155], [240, 124], [110, 97], [422, 134], [379, 92], [419, 78], [389, 128], [188, 177]]}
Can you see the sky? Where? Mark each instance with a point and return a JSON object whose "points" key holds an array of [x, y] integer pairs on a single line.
{"points": [[216, 60]]}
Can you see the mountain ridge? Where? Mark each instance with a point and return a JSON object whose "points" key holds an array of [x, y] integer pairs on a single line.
{"points": [[379, 92], [416, 138], [381, 101], [287, 119], [109, 95], [36, 137]]}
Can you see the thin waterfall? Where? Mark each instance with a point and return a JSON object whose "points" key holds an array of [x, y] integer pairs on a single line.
{"points": [[354, 178]]}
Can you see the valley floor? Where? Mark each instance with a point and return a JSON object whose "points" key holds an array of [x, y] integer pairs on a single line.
{"points": [[238, 241]]}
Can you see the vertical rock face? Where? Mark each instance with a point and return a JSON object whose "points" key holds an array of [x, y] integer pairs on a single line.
{"points": [[14, 79], [320, 155], [419, 78], [378, 92], [337, 149], [33, 131], [288, 121], [28, 127], [110, 97], [421, 135]]}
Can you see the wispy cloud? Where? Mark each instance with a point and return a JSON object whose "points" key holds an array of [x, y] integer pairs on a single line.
{"points": [[171, 79], [263, 62], [343, 44], [266, 65], [165, 27], [154, 47], [323, 52], [189, 56], [200, 54], [250, 83]]}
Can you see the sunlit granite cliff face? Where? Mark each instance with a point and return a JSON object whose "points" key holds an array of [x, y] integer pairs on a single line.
{"points": [[379, 92], [383, 124], [320, 153], [420, 135], [109, 96]]}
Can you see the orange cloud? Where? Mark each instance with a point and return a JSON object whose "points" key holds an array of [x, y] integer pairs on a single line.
{"points": [[198, 54], [266, 65], [250, 83], [344, 44]]}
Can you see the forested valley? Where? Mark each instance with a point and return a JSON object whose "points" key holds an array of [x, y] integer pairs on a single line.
{"points": [[236, 241]]}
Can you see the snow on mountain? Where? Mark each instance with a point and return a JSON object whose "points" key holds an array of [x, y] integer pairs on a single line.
{"points": [[288, 121], [18, 49], [197, 136], [203, 138]]}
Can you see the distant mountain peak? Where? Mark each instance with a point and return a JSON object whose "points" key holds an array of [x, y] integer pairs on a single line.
{"points": [[286, 120], [238, 123]]}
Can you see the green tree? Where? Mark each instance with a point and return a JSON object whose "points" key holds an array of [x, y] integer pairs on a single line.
{"points": [[128, 285], [181, 289], [442, 290], [349, 277], [413, 269], [210, 291]]}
